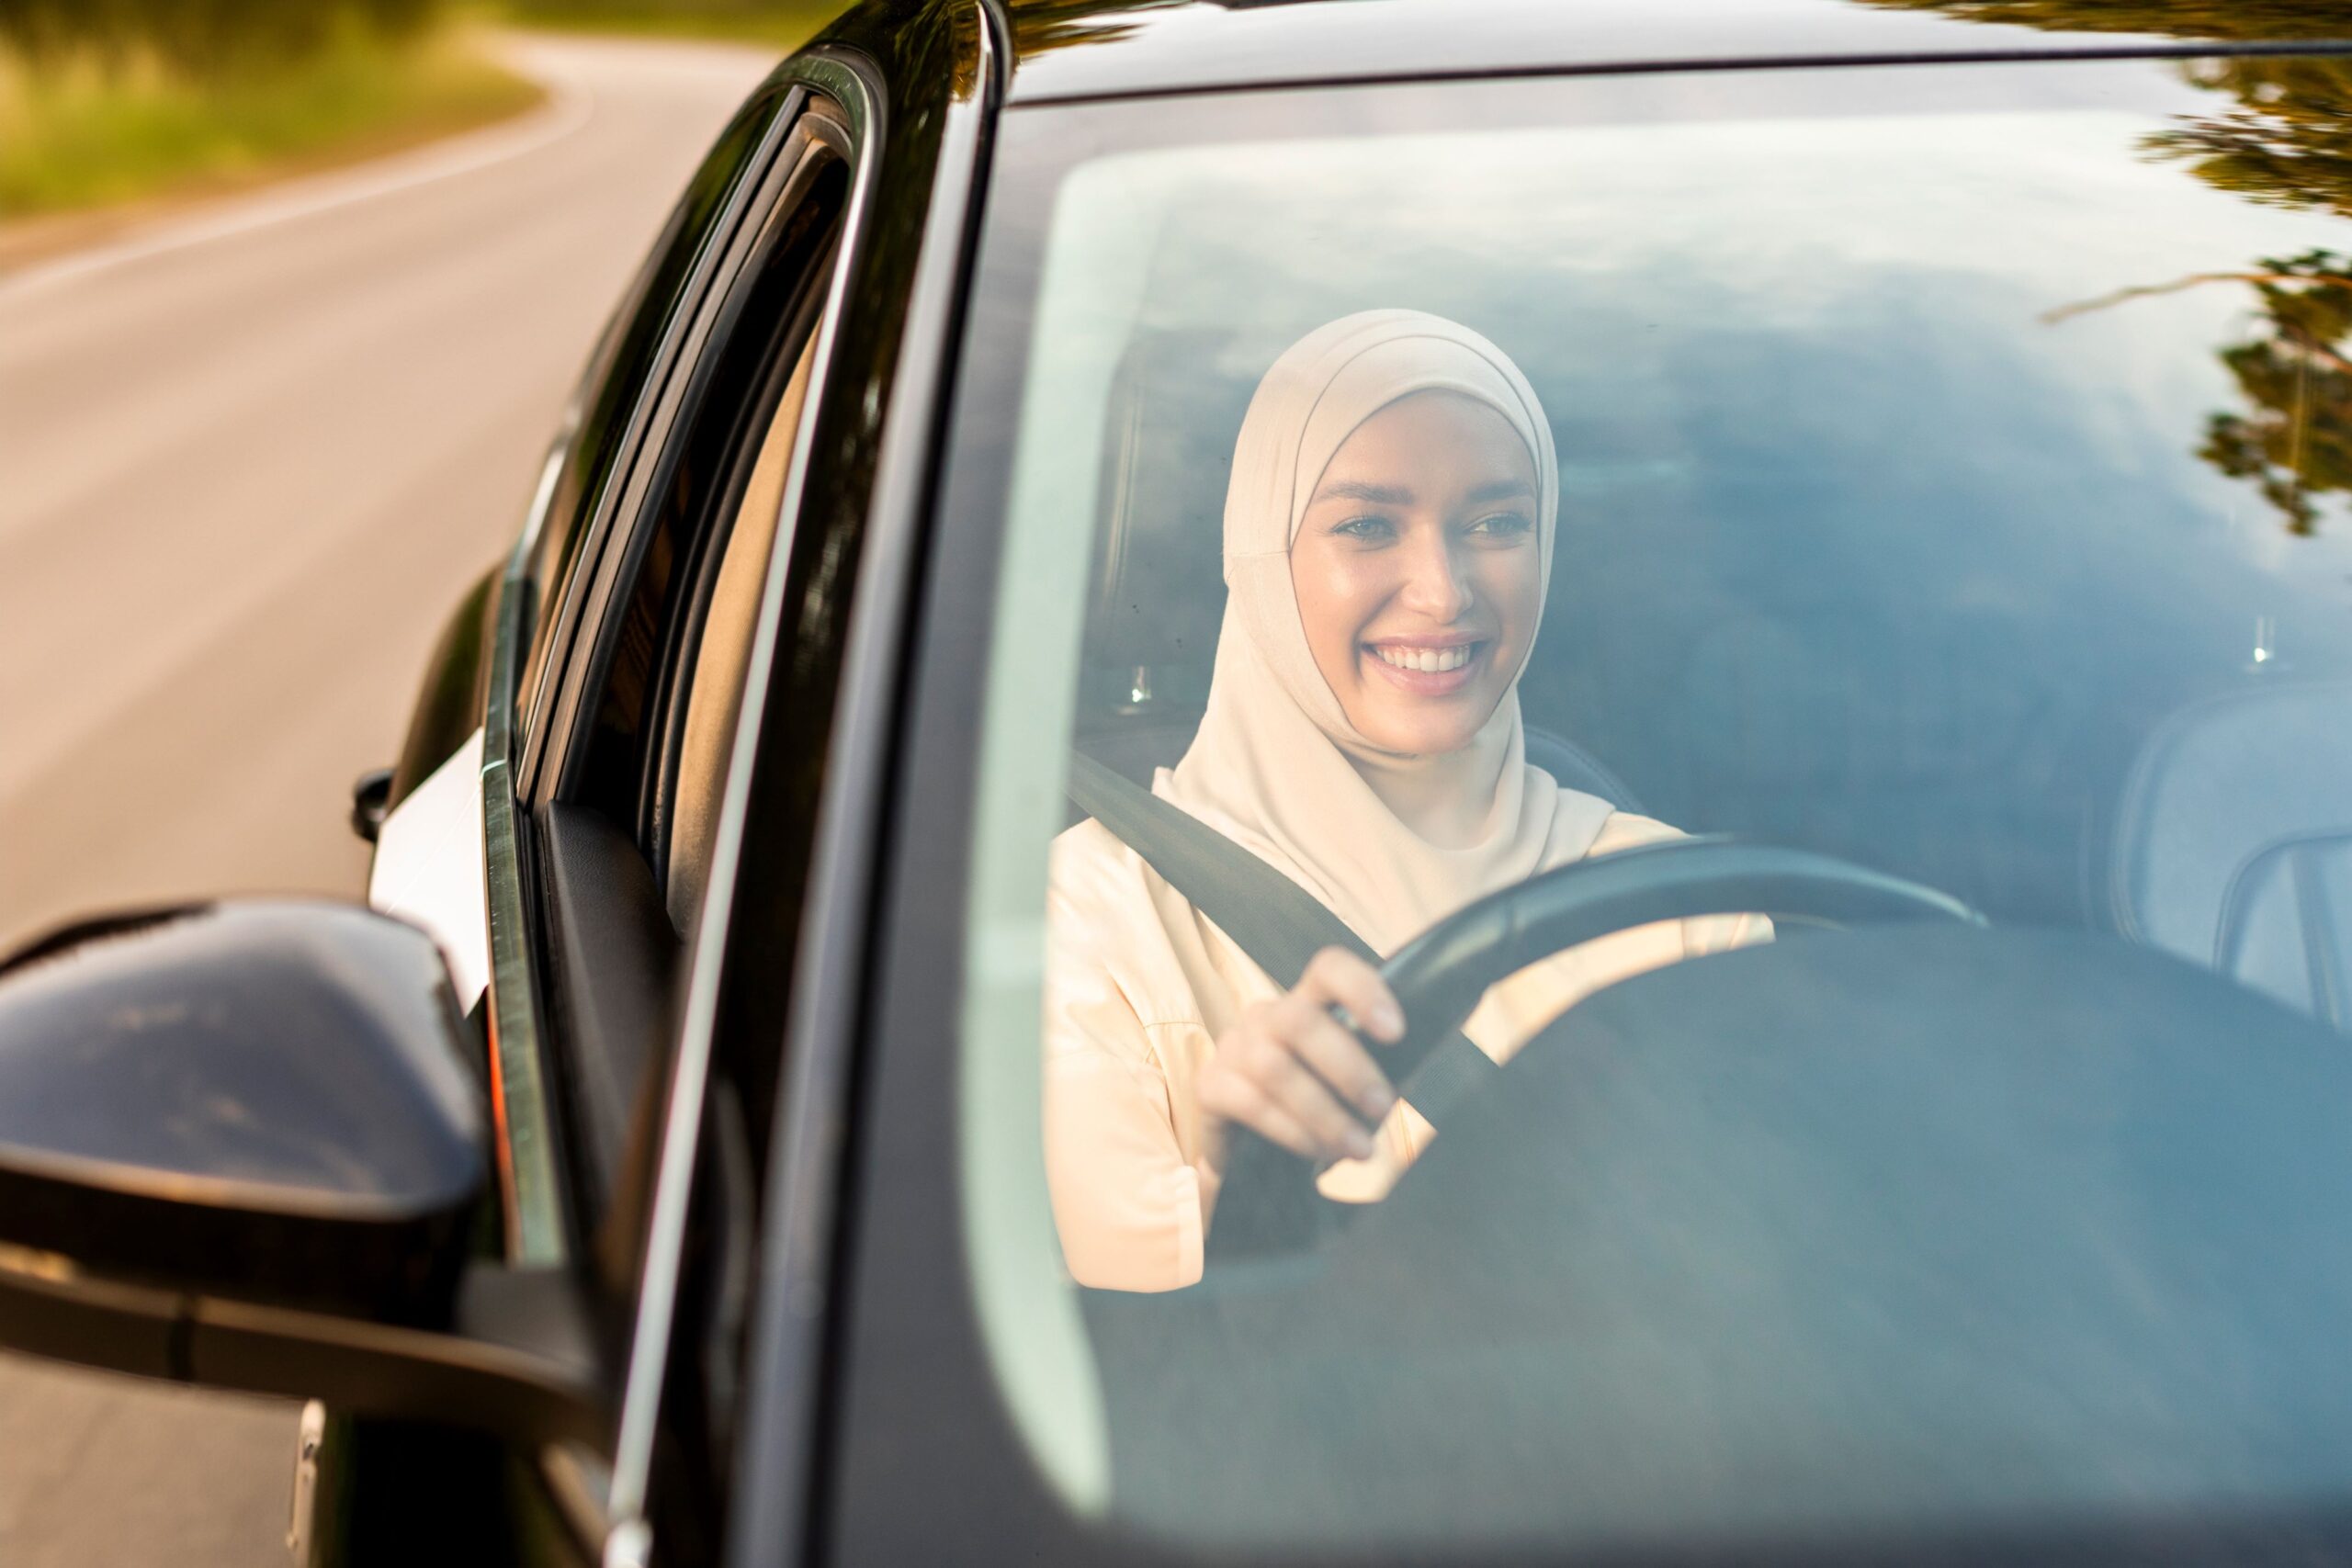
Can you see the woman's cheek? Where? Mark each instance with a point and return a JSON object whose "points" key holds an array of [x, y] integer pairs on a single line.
{"points": [[1516, 588], [1333, 595]]}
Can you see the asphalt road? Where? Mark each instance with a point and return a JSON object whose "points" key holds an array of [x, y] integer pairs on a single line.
{"points": [[247, 463]]}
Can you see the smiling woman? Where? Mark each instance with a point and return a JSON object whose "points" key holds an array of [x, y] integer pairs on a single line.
{"points": [[1387, 529]]}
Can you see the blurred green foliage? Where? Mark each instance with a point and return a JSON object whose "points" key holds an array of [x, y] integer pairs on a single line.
{"points": [[204, 38], [787, 23], [2287, 141], [2240, 20], [108, 101], [2294, 439]]}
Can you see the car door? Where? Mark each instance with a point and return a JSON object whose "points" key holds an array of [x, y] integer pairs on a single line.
{"points": [[729, 1364], [619, 636], [619, 802], [696, 776]]}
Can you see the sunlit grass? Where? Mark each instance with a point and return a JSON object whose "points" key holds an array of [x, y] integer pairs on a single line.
{"points": [[83, 129], [784, 23]]}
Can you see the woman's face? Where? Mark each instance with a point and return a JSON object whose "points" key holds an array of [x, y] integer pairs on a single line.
{"points": [[1418, 570]]}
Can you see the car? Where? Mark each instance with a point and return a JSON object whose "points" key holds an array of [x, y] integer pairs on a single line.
{"points": [[1952, 403]]}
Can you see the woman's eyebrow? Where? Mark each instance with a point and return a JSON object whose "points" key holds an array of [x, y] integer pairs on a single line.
{"points": [[1500, 490], [1357, 490]]}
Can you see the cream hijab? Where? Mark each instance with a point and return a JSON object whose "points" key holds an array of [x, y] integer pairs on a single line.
{"points": [[1276, 766]]}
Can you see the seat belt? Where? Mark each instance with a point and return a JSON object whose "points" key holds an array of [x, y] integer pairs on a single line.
{"points": [[1278, 923]]}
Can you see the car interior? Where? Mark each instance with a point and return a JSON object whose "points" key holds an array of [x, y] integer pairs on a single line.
{"points": [[2213, 827], [1630, 1212]]}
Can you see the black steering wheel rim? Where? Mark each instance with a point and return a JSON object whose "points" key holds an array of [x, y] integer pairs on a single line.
{"points": [[1268, 1202]]}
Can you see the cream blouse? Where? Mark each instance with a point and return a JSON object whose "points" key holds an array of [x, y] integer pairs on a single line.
{"points": [[1139, 987]]}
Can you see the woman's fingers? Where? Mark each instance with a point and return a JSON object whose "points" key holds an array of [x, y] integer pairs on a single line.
{"points": [[1257, 1080], [1335, 975], [1270, 1059], [1234, 1097], [1294, 1072], [1337, 1057]]}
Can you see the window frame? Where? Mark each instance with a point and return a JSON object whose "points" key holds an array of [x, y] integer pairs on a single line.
{"points": [[571, 1220], [924, 1453], [614, 1230], [570, 561], [839, 425], [815, 143], [687, 638], [596, 523]]}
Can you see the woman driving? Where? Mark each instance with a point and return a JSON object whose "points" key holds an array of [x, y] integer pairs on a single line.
{"points": [[1388, 537]]}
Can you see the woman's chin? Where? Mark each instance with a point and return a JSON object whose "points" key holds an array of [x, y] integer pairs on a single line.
{"points": [[1424, 734], [1422, 712]]}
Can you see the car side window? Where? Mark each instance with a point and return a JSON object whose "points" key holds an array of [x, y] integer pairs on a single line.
{"points": [[714, 686], [655, 678], [626, 365]]}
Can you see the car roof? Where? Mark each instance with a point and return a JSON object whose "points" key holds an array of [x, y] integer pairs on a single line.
{"points": [[1072, 49]]}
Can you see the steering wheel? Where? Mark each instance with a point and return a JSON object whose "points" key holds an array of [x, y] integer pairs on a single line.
{"points": [[1269, 1202]]}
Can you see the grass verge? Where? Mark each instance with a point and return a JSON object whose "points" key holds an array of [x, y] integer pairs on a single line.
{"points": [[784, 25], [83, 131]]}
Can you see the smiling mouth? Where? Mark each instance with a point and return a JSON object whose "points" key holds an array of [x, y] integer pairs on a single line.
{"points": [[1425, 660]]}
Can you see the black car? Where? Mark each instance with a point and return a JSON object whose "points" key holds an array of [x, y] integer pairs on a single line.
{"points": [[1945, 459]]}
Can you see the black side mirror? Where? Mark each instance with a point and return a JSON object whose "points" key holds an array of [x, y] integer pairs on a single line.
{"points": [[371, 802], [241, 1145]]}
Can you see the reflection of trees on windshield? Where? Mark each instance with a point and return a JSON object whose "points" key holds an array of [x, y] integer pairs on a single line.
{"points": [[2244, 20], [2297, 442], [2284, 141], [1039, 27], [2288, 140], [1055, 24], [2294, 370]]}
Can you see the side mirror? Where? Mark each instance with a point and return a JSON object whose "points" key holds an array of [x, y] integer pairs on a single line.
{"points": [[240, 1146]]}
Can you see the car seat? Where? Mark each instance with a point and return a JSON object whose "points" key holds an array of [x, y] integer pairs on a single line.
{"points": [[2233, 845]]}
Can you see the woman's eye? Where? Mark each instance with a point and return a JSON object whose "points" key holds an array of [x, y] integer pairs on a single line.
{"points": [[1363, 528], [1505, 524]]}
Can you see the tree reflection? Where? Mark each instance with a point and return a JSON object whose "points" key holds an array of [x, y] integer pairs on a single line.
{"points": [[2294, 371], [2286, 141], [2297, 441], [2241, 21]]}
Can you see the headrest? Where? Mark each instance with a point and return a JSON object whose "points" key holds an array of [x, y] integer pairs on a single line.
{"points": [[1158, 577], [2233, 817]]}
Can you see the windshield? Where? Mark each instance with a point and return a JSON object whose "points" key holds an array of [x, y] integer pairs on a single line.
{"points": [[1935, 478]]}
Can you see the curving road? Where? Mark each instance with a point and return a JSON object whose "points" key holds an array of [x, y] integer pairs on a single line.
{"points": [[247, 462]]}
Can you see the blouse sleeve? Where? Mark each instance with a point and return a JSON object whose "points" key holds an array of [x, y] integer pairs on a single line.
{"points": [[1702, 933], [1127, 1203]]}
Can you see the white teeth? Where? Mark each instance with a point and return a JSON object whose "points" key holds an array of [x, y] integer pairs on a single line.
{"points": [[1431, 661]]}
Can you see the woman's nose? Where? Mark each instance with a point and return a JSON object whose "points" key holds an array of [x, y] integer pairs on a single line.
{"points": [[1435, 584]]}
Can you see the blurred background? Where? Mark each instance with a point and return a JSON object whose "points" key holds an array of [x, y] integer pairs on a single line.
{"points": [[291, 296]]}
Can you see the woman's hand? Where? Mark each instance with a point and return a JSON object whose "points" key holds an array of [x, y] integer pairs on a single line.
{"points": [[1290, 1070]]}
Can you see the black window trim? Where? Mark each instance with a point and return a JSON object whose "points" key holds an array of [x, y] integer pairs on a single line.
{"points": [[785, 1459], [535, 1205], [608, 956], [813, 138], [681, 649], [533, 1197], [815, 144], [851, 85], [545, 724]]}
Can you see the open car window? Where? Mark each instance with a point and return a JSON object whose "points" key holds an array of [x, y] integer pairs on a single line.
{"points": [[1946, 463]]}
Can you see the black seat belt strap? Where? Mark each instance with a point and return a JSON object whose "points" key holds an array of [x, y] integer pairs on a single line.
{"points": [[1278, 923]]}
